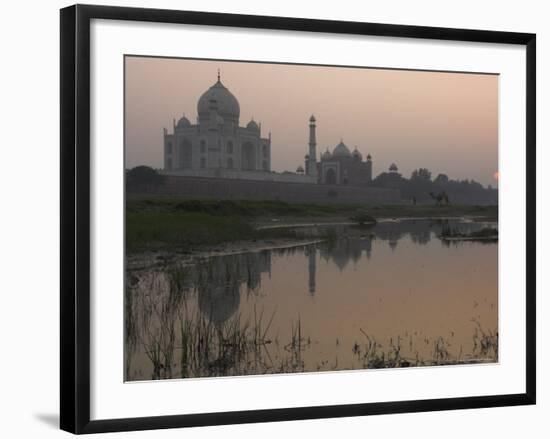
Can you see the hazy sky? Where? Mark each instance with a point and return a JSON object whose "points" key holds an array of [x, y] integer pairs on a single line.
{"points": [[446, 122]]}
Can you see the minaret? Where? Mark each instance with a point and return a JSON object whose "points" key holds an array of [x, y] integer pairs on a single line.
{"points": [[312, 159], [369, 168]]}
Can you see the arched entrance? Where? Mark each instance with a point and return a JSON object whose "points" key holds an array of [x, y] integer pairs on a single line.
{"points": [[330, 176], [185, 154], [248, 156]]}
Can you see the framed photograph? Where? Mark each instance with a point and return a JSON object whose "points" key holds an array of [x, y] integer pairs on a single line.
{"points": [[268, 218]]}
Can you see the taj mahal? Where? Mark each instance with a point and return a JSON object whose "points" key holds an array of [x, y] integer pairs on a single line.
{"points": [[217, 146]]}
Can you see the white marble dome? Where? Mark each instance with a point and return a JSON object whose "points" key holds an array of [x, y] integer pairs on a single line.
{"points": [[227, 104], [341, 150], [183, 122], [356, 154]]}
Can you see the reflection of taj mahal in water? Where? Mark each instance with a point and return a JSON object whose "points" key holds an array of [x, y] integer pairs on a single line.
{"points": [[220, 297], [217, 146]]}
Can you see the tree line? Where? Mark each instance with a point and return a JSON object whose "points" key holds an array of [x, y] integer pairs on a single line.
{"points": [[421, 188]]}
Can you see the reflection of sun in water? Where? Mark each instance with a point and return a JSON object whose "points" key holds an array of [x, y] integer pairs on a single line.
{"points": [[496, 175]]}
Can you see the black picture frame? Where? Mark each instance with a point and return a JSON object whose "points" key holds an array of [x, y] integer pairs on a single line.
{"points": [[75, 217]]}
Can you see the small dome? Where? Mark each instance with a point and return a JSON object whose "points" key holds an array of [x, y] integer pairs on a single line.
{"points": [[300, 170], [312, 118], [341, 150], [393, 167], [356, 154], [218, 303], [227, 104], [252, 125], [326, 155], [183, 122], [369, 157]]}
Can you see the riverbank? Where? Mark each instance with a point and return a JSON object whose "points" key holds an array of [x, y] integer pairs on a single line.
{"points": [[191, 226]]}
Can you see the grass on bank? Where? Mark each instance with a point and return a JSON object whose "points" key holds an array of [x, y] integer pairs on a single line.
{"points": [[150, 229], [257, 209], [240, 208]]}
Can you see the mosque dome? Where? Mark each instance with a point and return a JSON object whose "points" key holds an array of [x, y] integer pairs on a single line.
{"points": [[300, 170], [341, 150], [356, 154], [393, 167], [326, 155], [252, 125], [227, 104], [183, 123]]}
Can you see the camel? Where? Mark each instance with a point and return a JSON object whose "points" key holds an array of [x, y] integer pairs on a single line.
{"points": [[441, 198]]}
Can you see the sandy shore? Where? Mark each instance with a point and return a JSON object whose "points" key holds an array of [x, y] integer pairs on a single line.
{"points": [[144, 260]]}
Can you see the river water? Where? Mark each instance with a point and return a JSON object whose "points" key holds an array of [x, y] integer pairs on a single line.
{"points": [[394, 294]]}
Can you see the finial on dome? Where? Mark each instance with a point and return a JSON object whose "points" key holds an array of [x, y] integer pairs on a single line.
{"points": [[218, 75]]}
